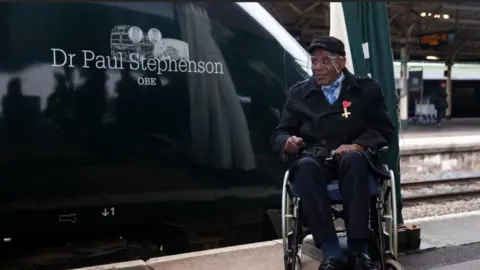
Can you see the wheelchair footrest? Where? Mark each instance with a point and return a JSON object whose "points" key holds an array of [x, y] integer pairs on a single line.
{"points": [[408, 237]]}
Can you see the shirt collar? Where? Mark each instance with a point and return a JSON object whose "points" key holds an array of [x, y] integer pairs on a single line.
{"points": [[339, 80], [348, 80]]}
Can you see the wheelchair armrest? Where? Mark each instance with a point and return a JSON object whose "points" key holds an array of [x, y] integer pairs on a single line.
{"points": [[379, 151], [383, 149]]}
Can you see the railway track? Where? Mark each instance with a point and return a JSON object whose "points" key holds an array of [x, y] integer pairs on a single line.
{"points": [[440, 189]]}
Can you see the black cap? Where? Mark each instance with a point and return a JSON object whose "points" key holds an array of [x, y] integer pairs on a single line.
{"points": [[329, 44]]}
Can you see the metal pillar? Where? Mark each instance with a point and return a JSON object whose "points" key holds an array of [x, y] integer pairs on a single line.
{"points": [[448, 114], [404, 85]]}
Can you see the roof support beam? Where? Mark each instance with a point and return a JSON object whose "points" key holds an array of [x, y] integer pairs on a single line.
{"points": [[311, 7], [294, 8], [463, 21], [461, 7]]}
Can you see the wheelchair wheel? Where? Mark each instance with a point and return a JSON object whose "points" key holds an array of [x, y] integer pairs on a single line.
{"points": [[392, 264], [293, 259], [291, 229], [391, 223], [287, 218]]}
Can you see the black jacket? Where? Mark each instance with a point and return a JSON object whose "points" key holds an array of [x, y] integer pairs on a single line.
{"points": [[307, 114], [439, 98]]}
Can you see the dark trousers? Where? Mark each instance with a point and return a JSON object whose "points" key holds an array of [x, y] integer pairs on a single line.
{"points": [[440, 114], [311, 176]]}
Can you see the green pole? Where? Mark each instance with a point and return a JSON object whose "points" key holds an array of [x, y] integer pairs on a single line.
{"points": [[369, 38]]}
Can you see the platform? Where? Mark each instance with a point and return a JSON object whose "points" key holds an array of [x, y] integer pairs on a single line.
{"points": [[453, 127], [449, 242], [422, 137], [430, 153], [456, 242], [455, 133]]}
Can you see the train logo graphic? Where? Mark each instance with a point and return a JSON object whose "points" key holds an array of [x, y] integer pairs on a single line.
{"points": [[129, 39]]}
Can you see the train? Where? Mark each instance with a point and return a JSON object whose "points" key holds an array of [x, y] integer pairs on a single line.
{"points": [[148, 118], [435, 70], [465, 86]]}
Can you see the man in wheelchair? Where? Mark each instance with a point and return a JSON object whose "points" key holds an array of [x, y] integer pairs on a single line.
{"points": [[334, 110]]}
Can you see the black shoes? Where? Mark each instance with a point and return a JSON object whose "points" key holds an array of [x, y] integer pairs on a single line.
{"points": [[331, 263], [361, 261], [358, 261]]}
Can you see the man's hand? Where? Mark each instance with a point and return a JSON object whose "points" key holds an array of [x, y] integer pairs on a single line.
{"points": [[293, 144], [347, 148]]}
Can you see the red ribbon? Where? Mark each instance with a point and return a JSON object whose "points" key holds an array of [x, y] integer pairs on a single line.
{"points": [[346, 104]]}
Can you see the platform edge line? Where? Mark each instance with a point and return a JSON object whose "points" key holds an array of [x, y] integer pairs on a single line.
{"points": [[443, 217], [215, 251]]}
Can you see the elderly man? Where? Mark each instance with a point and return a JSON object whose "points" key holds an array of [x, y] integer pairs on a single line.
{"points": [[334, 110]]}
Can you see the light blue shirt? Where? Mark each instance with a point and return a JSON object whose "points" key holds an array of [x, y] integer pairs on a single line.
{"points": [[332, 91]]}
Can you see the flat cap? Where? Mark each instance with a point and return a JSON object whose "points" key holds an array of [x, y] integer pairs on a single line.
{"points": [[329, 44]]}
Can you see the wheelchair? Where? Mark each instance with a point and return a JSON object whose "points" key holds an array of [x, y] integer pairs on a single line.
{"points": [[383, 221]]}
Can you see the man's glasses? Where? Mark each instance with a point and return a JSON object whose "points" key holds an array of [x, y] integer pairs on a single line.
{"points": [[324, 60]]}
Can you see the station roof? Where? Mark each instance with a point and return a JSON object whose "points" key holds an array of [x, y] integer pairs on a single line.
{"points": [[311, 19]]}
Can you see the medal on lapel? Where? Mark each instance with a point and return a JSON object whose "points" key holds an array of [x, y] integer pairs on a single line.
{"points": [[346, 104]]}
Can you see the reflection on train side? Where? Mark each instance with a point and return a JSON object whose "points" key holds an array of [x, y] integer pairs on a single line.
{"points": [[29, 110], [76, 124]]}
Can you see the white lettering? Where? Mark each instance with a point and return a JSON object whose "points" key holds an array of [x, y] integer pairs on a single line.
{"points": [[118, 63], [192, 66], [87, 59], [100, 62], [70, 58], [162, 68], [134, 65], [183, 66], [218, 66], [136, 62], [170, 66], [64, 55], [210, 71], [147, 81], [150, 81], [151, 64], [201, 67]]}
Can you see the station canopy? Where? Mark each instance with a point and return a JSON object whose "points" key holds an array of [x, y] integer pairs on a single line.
{"points": [[430, 30]]}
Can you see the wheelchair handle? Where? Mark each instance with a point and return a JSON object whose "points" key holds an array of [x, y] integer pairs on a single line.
{"points": [[332, 155], [383, 149], [379, 151]]}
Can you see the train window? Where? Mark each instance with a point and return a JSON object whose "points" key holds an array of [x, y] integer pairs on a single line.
{"points": [[201, 81], [464, 93]]}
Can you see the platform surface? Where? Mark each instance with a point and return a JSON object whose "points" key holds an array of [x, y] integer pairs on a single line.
{"points": [[455, 258], [264, 257], [468, 265], [454, 135], [449, 242], [450, 230], [455, 239], [453, 127]]}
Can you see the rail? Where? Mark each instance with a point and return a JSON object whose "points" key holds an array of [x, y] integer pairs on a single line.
{"points": [[431, 184]]}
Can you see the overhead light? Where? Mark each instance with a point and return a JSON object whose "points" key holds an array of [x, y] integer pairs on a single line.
{"points": [[429, 14], [432, 57], [446, 16], [423, 14]]}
